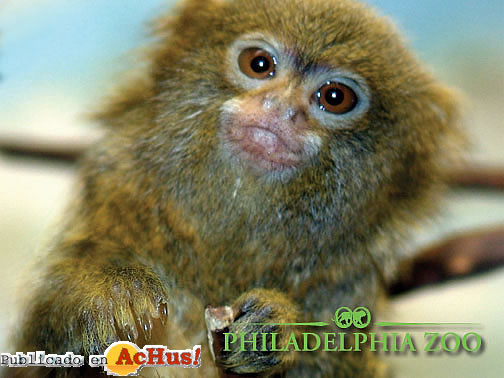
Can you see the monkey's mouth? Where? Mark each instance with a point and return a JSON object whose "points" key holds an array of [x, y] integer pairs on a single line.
{"points": [[264, 147]]}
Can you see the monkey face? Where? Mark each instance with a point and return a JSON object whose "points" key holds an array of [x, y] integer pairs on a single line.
{"points": [[283, 88], [279, 122], [296, 110]]}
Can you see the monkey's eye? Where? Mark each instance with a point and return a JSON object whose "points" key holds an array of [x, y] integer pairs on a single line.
{"points": [[336, 98], [257, 63]]}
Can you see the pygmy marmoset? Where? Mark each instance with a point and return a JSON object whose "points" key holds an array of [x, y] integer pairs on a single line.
{"points": [[272, 158]]}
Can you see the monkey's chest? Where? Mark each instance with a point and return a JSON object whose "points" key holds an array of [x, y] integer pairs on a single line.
{"points": [[219, 278]]}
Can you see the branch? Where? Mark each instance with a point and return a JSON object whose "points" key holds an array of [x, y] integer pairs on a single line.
{"points": [[460, 256], [61, 151]]}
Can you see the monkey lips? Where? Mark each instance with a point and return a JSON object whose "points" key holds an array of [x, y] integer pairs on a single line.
{"points": [[266, 141]]}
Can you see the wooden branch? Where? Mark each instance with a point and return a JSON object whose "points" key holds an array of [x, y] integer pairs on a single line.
{"points": [[478, 177], [217, 320], [68, 151], [465, 254]]}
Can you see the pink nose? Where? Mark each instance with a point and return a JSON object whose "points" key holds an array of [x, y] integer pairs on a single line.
{"points": [[282, 107]]}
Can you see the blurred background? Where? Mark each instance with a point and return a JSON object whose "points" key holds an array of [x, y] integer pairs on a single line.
{"points": [[58, 58]]}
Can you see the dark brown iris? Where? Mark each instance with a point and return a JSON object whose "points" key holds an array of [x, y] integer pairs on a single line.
{"points": [[336, 98], [257, 63]]}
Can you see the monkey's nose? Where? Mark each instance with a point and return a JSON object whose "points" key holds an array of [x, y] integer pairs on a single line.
{"points": [[282, 107], [271, 102]]}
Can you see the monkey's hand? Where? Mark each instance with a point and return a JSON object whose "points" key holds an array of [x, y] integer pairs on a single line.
{"points": [[123, 306], [86, 306], [258, 312]]}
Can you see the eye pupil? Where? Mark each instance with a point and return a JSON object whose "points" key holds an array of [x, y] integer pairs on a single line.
{"points": [[334, 96], [260, 64]]}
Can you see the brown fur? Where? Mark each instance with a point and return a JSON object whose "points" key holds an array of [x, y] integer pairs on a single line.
{"points": [[160, 221]]}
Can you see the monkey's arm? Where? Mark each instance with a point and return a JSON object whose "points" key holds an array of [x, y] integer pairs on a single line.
{"points": [[85, 304]]}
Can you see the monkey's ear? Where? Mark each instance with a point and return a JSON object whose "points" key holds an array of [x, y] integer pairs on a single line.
{"points": [[446, 115], [445, 106], [453, 103]]}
